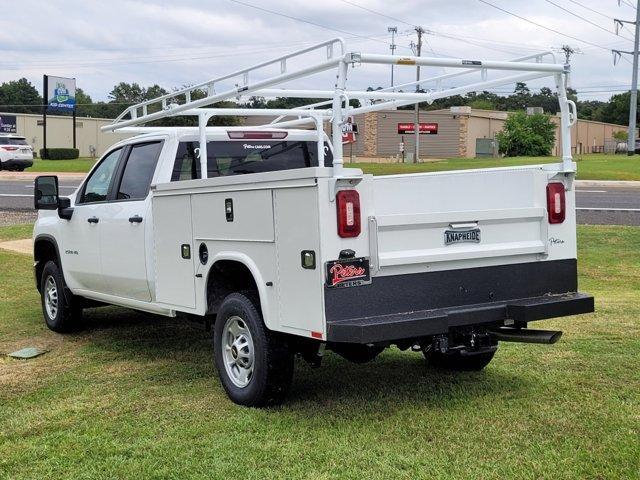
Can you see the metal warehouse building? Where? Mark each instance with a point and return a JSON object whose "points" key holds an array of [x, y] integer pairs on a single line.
{"points": [[60, 133], [456, 132], [459, 132]]}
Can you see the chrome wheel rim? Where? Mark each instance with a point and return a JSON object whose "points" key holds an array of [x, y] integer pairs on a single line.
{"points": [[237, 351], [51, 297]]}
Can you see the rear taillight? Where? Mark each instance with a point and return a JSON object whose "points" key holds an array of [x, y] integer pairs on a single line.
{"points": [[348, 207], [10, 149], [556, 202]]}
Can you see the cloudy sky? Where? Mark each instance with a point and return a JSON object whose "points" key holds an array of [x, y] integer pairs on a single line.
{"points": [[189, 41]]}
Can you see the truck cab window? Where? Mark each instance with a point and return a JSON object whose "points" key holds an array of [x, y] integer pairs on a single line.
{"points": [[138, 171], [241, 157], [97, 187]]}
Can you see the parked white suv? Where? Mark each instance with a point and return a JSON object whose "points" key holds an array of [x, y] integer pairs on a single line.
{"points": [[15, 153]]}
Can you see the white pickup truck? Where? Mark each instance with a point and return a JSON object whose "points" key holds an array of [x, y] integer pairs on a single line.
{"points": [[265, 235]]}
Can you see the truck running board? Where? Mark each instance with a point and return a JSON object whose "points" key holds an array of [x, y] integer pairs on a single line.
{"points": [[417, 324]]}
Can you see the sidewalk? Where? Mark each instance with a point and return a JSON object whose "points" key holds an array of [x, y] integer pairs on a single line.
{"points": [[24, 246]]}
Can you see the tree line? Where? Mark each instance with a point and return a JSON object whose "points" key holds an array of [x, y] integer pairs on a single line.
{"points": [[20, 96]]}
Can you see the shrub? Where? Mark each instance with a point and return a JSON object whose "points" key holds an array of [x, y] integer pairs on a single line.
{"points": [[59, 153], [530, 135], [620, 135]]}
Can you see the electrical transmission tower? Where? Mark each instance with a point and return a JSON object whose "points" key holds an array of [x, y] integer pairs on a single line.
{"points": [[417, 48], [633, 103]]}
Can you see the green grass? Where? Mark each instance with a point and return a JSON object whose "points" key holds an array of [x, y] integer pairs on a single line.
{"points": [[136, 396], [590, 167], [82, 164], [16, 232]]}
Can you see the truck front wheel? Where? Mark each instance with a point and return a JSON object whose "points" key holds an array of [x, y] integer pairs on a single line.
{"points": [[62, 313], [459, 361], [255, 365]]}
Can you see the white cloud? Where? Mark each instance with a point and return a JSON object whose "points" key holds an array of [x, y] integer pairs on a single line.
{"points": [[189, 41]]}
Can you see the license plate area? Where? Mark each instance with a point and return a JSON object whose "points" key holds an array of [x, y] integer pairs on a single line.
{"points": [[348, 272]]}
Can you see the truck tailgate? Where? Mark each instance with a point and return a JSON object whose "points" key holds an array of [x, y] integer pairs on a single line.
{"points": [[442, 219]]}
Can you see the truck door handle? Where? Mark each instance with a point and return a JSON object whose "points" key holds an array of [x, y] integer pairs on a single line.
{"points": [[135, 219], [93, 220]]}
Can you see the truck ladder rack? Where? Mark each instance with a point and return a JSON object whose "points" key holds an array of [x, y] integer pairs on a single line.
{"points": [[185, 101]]}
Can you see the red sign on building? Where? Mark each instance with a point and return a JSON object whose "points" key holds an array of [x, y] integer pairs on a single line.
{"points": [[349, 130], [425, 128]]}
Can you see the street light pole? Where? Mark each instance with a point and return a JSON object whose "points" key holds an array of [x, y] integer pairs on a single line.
{"points": [[392, 31], [416, 129], [631, 143]]}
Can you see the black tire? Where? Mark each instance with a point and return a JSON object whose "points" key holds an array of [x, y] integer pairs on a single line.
{"points": [[460, 362], [68, 313], [272, 360], [357, 353]]}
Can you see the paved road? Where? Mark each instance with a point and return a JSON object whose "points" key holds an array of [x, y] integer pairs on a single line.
{"points": [[608, 205]]}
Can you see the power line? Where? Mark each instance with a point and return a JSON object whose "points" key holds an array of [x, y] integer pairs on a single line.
{"points": [[290, 17], [542, 26], [429, 31], [591, 9], [395, 19], [627, 3], [586, 20]]}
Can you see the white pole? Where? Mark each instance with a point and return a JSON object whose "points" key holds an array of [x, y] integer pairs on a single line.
{"points": [[320, 142], [202, 151], [336, 122], [631, 143], [565, 126]]}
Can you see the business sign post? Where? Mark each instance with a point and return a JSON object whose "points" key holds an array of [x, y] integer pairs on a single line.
{"points": [[60, 96]]}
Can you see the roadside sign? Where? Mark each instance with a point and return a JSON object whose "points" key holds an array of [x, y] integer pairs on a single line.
{"points": [[349, 130], [61, 93], [424, 128], [8, 124]]}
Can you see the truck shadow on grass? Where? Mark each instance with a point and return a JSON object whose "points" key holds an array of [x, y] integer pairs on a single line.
{"points": [[177, 351]]}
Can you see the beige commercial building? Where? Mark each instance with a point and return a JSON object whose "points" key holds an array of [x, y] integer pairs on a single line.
{"points": [[89, 139], [459, 132], [455, 132]]}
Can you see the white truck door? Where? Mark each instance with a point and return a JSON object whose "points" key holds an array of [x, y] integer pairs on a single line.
{"points": [[123, 223], [80, 249]]}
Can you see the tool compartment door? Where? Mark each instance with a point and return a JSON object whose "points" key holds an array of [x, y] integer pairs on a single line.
{"points": [[175, 277]]}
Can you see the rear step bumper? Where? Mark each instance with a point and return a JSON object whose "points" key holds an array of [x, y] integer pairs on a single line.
{"points": [[416, 324]]}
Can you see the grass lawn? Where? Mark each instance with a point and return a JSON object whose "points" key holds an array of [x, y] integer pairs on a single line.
{"points": [[136, 396], [82, 164], [590, 167]]}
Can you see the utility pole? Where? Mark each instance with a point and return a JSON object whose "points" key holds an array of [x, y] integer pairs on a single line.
{"points": [[392, 31], [633, 103], [416, 125]]}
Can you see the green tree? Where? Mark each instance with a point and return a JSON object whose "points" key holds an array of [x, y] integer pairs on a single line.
{"points": [[531, 135], [19, 96]]}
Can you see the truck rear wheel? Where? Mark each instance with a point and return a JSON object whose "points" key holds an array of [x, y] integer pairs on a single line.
{"points": [[61, 313], [255, 365], [458, 361]]}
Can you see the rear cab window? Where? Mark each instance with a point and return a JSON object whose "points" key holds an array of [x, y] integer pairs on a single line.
{"points": [[13, 141], [243, 157]]}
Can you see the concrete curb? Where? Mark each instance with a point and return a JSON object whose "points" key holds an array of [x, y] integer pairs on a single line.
{"points": [[607, 183], [23, 176]]}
